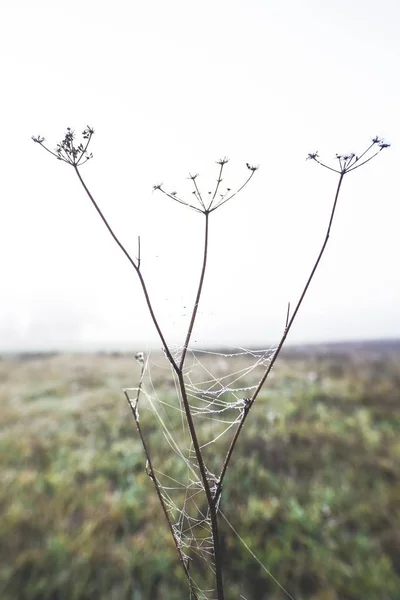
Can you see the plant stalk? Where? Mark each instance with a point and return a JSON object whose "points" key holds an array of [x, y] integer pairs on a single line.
{"points": [[199, 290], [281, 342], [154, 479], [190, 422], [134, 265]]}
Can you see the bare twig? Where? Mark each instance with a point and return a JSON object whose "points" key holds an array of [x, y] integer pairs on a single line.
{"points": [[134, 406], [193, 434], [287, 315], [134, 265], [198, 294], [240, 188], [282, 341]]}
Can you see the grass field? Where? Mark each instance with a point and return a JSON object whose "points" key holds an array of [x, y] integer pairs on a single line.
{"points": [[314, 487]]}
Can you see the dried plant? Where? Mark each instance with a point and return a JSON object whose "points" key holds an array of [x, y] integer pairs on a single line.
{"points": [[196, 401]]}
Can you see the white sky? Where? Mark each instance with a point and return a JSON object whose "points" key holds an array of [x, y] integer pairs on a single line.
{"points": [[170, 87]]}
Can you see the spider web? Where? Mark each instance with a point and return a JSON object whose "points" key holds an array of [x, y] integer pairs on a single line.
{"points": [[218, 386]]}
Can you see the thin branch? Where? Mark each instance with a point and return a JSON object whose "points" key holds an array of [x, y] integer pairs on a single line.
{"points": [[364, 162], [222, 163], [327, 167], [176, 199], [134, 265], [282, 341], [52, 153], [234, 194], [192, 429], [133, 405], [198, 193], [199, 290], [358, 158], [287, 315], [84, 150], [203, 472]]}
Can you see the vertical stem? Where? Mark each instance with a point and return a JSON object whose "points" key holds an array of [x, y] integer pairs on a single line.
{"points": [[199, 290], [207, 490], [192, 429]]}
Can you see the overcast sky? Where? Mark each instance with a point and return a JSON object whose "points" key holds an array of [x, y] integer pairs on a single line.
{"points": [[170, 87]]}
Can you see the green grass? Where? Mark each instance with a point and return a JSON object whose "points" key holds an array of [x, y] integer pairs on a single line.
{"points": [[314, 491]]}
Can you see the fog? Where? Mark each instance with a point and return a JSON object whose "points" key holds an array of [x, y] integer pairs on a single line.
{"points": [[170, 88]]}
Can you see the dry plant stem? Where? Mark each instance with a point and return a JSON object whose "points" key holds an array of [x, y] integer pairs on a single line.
{"points": [[179, 371], [212, 208], [134, 265], [281, 342], [219, 180], [192, 429], [199, 290], [150, 470], [210, 500]]}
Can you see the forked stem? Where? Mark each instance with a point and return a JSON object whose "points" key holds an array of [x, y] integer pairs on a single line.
{"points": [[192, 429]]}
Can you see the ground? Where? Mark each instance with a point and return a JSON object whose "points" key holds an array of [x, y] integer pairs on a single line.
{"points": [[313, 487]]}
